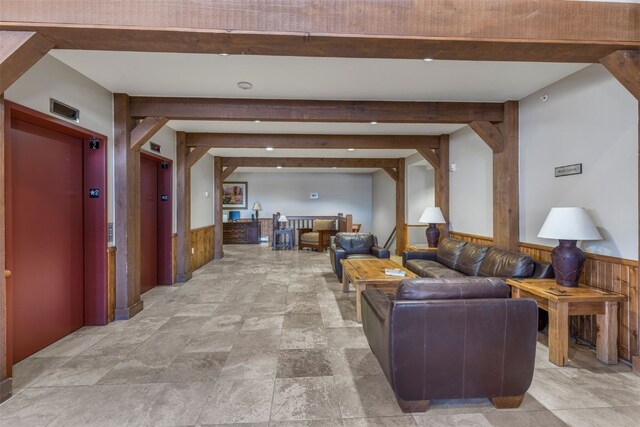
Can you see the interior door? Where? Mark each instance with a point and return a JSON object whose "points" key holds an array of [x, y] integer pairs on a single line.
{"points": [[148, 223], [45, 245]]}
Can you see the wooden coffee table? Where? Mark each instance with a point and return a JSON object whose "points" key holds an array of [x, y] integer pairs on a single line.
{"points": [[561, 302], [369, 273]]}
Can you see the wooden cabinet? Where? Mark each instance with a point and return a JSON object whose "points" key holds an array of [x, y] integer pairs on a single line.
{"points": [[241, 232]]}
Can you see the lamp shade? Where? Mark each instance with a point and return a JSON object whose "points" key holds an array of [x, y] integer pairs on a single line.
{"points": [[256, 206], [569, 224], [283, 218], [432, 215]]}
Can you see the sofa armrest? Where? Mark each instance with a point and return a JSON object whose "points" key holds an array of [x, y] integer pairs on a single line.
{"points": [[426, 255], [379, 252], [379, 303], [336, 253]]}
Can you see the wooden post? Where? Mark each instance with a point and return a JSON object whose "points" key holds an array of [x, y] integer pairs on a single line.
{"points": [[218, 251], [5, 369], [442, 183], [506, 203], [127, 214], [183, 216], [401, 242]]}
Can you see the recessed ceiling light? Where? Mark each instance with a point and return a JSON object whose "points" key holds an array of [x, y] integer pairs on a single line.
{"points": [[373, 122], [269, 148], [223, 54], [279, 167], [428, 59], [351, 149], [256, 121], [245, 85], [334, 167]]}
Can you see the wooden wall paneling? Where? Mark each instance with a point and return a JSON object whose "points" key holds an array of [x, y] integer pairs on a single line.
{"points": [[127, 201], [242, 140], [202, 242], [6, 388], [472, 238], [624, 65], [401, 242], [266, 228], [111, 283], [291, 110], [542, 30], [174, 257], [218, 251], [145, 130], [442, 183], [506, 199], [183, 216], [19, 51]]}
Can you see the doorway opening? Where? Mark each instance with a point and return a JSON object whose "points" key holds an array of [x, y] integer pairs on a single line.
{"points": [[56, 229]]}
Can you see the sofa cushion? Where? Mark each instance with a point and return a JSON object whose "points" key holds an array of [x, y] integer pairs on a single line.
{"points": [[470, 259], [311, 237], [442, 272], [355, 243], [323, 224], [449, 250], [501, 263], [452, 288]]}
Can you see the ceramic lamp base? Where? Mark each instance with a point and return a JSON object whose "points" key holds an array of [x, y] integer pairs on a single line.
{"points": [[567, 261], [433, 234]]}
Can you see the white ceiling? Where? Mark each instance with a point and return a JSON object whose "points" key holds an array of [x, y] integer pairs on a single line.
{"points": [[278, 77]]}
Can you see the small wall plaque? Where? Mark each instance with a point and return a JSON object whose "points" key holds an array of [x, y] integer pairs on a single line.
{"points": [[313, 196], [164, 197], [569, 170], [94, 144], [94, 193], [155, 147]]}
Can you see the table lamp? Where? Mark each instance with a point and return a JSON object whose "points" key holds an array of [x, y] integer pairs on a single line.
{"points": [[282, 220], [568, 225], [432, 216], [256, 207]]}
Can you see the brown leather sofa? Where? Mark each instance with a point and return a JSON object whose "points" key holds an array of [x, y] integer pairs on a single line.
{"points": [[457, 258], [354, 246], [452, 338]]}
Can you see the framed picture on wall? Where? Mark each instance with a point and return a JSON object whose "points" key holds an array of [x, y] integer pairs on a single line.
{"points": [[234, 195]]}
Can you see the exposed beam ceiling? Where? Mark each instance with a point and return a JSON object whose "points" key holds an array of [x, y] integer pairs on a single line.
{"points": [[525, 30], [307, 162]]}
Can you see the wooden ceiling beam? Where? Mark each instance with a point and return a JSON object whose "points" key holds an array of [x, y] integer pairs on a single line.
{"points": [[527, 30], [195, 155], [292, 141], [145, 130], [19, 51], [430, 156], [490, 134], [307, 162], [624, 65], [228, 171], [392, 173], [287, 110]]}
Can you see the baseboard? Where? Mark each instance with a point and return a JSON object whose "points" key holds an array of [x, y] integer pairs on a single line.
{"points": [[635, 360], [6, 389], [129, 312], [181, 278]]}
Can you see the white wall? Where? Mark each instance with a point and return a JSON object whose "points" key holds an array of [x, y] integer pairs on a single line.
{"points": [[420, 182], [471, 186], [288, 193], [383, 206], [202, 192], [166, 138], [591, 119], [50, 78]]}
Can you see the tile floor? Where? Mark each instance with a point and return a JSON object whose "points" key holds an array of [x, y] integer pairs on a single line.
{"points": [[267, 338]]}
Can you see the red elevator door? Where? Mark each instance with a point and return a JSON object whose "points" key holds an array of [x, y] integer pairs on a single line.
{"points": [[46, 245], [148, 223]]}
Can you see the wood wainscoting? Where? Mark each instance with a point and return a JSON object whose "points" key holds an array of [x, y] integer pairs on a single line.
{"points": [[603, 272], [111, 283], [202, 244]]}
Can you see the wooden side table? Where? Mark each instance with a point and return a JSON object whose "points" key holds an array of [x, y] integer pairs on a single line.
{"points": [[561, 302], [286, 238]]}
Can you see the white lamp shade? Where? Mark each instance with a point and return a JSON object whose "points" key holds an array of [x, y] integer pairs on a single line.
{"points": [[432, 215], [283, 218], [569, 224], [256, 206]]}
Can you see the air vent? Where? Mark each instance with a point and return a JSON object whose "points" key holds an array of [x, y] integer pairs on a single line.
{"points": [[64, 110]]}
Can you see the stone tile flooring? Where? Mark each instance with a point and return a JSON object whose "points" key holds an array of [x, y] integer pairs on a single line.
{"points": [[267, 338]]}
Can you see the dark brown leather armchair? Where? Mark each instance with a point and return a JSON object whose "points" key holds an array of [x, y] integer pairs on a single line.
{"points": [[354, 246], [452, 338]]}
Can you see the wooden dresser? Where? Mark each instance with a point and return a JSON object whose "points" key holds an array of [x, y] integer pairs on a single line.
{"points": [[241, 232]]}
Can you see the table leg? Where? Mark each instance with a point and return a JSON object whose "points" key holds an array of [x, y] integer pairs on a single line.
{"points": [[345, 281], [607, 335], [558, 333], [359, 289]]}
